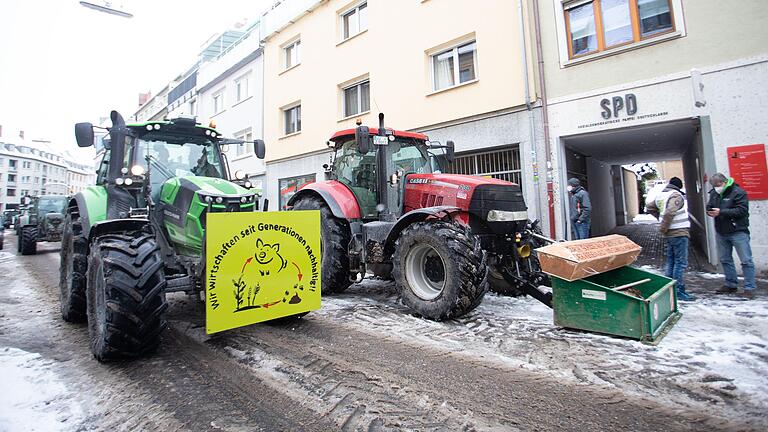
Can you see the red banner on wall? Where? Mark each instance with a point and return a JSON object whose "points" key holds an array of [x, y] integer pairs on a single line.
{"points": [[749, 169]]}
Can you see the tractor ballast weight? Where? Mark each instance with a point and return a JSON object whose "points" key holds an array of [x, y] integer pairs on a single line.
{"points": [[445, 239], [140, 231]]}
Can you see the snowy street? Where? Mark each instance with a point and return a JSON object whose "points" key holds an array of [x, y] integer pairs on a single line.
{"points": [[364, 363]]}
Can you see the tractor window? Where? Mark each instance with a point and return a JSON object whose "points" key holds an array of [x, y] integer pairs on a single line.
{"points": [[409, 157], [51, 205], [169, 160], [358, 172], [101, 174]]}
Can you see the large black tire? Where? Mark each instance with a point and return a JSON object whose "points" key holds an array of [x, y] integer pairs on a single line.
{"points": [[28, 240], [125, 297], [73, 271], [334, 241], [439, 268]]}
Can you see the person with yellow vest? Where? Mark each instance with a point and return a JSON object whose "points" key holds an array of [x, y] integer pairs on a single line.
{"points": [[671, 208]]}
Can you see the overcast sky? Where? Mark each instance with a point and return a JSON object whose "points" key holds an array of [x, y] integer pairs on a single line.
{"points": [[61, 63]]}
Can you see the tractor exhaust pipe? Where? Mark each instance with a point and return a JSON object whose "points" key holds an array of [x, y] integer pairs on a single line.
{"points": [[385, 214]]}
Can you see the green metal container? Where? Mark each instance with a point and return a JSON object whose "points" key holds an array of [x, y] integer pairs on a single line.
{"points": [[592, 304]]}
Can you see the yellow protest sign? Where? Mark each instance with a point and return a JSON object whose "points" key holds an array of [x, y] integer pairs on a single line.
{"points": [[261, 266]]}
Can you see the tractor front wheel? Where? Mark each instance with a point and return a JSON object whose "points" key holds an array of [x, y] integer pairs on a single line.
{"points": [[334, 241], [125, 296], [72, 271], [28, 240], [439, 269]]}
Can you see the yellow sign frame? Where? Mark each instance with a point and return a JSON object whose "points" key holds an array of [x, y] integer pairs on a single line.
{"points": [[260, 266]]}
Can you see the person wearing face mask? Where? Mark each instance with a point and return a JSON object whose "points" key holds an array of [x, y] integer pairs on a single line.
{"points": [[729, 206], [671, 208], [581, 209]]}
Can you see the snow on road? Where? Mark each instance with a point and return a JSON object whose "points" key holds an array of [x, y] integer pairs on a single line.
{"points": [[715, 359], [33, 398]]}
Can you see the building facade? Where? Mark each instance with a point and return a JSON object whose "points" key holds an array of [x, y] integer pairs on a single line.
{"points": [[468, 79], [230, 95], [631, 81], [30, 168]]}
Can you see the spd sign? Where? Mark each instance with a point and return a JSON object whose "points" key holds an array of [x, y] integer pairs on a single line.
{"points": [[261, 266]]}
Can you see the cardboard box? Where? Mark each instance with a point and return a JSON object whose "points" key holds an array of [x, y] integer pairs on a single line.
{"points": [[582, 258]]}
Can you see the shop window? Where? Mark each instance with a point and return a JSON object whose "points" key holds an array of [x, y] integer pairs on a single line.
{"points": [[454, 66], [289, 187], [357, 98], [598, 25]]}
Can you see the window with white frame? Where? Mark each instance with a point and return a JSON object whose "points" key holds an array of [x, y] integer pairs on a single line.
{"points": [[247, 147], [357, 98], [292, 54], [354, 21], [597, 25], [192, 108], [454, 66], [241, 88], [292, 119], [218, 102]]}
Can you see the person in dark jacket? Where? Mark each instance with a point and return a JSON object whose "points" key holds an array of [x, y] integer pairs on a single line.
{"points": [[581, 209], [729, 205]]}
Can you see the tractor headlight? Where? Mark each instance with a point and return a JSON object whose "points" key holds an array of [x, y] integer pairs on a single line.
{"points": [[507, 216], [239, 174], [209, 199], [137, 170], [119, 181], [219, 200], [157, 127], [243, 199], [128, 181], [247, 185], [149, 127], [124, 170]]}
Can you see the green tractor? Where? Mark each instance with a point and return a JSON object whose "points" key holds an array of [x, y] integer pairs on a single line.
{"points": [[140, 231], [41, 221]]}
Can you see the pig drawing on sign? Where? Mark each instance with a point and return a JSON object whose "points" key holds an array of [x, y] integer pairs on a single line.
{"points": [[269, 259]]}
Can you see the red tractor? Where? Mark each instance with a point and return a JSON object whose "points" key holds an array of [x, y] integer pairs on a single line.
{"points": [[446, 239]]}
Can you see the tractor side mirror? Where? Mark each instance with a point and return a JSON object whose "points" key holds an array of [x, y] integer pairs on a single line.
{"points": [[259, 148], [450, 152], [363, 139], [84, 134]]}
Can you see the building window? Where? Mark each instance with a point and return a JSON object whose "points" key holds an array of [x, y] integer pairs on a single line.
{"points": [[12, 164], [11, 178], [354, 21], [499, 164], [192, 108], [247, 147], [241, 88], [599, 25], [11, 192], [454, 66], [292, 119], [26, 164], [292, 54], [357, 98], [289, 187], [218, 102]]}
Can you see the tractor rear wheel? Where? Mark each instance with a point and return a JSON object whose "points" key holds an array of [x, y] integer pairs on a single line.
{"points": [[439, 269], [125, 296], [72, 271], [28, 240], [334, 242]]}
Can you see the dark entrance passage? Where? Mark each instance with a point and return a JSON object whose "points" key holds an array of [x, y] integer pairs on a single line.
{"points": [[597, 159]]}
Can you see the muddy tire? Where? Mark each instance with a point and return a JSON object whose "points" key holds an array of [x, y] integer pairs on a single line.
{"points": [[28, 240], [334, 242], [439, 268], [125, 296], [73, 271]]}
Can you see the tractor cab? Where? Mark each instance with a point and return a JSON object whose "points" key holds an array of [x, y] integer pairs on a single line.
{"points": [[374, 163]]}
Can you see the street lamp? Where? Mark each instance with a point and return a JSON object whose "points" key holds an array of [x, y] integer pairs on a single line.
{"points": [[107, 7]]}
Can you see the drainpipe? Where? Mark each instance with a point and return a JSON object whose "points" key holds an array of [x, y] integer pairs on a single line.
{"points": [[545, 119], [529, 107]]}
